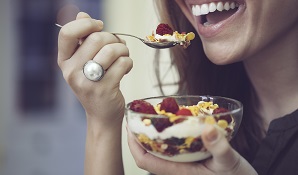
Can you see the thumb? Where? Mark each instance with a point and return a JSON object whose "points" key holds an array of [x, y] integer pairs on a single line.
{"points": [[224, 156], [82, 15]]}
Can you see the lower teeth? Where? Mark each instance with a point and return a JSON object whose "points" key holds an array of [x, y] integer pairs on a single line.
{"points": [[206, 24]]}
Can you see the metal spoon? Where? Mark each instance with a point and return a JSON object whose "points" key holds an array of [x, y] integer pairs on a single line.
{"points": [[156, 45]]}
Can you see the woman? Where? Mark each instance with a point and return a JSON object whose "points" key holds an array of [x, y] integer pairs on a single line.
{"points": [[249, 52]]}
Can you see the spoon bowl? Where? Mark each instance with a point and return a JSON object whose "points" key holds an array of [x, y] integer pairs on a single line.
{"points": [[156, 45]]}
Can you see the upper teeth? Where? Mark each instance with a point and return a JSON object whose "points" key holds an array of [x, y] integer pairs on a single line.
{"points": [[204, 9]]}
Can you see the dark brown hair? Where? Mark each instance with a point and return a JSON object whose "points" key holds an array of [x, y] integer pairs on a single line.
{"points": [[199, 76]]}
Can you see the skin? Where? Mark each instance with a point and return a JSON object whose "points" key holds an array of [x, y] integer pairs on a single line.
{"points": [[266, 43], [105, 112], [254, 29]]}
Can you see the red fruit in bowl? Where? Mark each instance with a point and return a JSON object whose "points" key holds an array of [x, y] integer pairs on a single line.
{"points": [[175, 141], [184, 112], [196, 145], [142, 106], [163, 29], [220, 110], [228, 118], [161, 123], [169, 105]]}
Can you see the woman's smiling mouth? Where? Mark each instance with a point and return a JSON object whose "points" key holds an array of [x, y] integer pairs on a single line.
{"points": [[212, 8], [211, 16]]}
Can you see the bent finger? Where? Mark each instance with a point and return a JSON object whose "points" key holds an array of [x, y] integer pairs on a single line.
{"points": [[82, 15], [71, 33], [117, 70], [95, 44], [110, 53]]}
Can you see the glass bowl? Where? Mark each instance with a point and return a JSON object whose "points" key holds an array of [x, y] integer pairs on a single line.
{"points": [[178, 138]]}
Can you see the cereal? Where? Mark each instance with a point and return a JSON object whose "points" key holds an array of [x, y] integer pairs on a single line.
{"points": [[172, 114], [210, 120], [147, 122], [164, 33], [222, 123]]}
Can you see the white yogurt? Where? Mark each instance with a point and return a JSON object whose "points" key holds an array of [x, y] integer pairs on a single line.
{"points": [[191, 127], [166, 37]]}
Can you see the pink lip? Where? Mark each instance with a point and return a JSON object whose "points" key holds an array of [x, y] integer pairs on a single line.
{"points": [[214, 29]]}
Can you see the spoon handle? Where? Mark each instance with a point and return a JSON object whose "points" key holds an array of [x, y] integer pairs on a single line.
{"points": [[58, 25], [124, 34]]}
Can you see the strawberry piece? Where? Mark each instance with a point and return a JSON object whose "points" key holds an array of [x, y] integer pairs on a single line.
{"points": [[179, 120], [228, 118], [169, 105], [163, 29], [184, 112], [161, 123], [142, 106]]}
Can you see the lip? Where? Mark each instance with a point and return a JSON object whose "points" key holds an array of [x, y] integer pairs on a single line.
{"points": [[214, 29]]}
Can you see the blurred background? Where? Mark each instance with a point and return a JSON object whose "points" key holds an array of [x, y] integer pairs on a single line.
{"points": [[42, 125]]}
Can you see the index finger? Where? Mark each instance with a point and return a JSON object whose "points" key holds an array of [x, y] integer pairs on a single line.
{"points": [[71, 33]]}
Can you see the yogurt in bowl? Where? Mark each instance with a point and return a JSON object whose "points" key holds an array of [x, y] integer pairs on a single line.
{"points": [[170, 127]]}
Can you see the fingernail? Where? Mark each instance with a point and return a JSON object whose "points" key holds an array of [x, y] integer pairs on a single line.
{"points": [[100, 23], [212, 134]]}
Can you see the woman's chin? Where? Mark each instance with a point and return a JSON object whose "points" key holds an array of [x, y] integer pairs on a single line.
{"points": [[222, 56], [220, 59]]}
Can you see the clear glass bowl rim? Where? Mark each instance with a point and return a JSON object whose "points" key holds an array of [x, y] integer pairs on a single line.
{"points": [[234, 111]]}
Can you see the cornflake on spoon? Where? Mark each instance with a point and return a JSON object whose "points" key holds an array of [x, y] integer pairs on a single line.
{"points": [[164, 33]]}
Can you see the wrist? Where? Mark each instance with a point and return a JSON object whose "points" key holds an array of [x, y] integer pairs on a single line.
{"points": [[98, 126], [103, 147]]}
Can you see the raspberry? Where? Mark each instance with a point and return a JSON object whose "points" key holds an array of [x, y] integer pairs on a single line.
{"points": [[228, 118], [161, 123], [175, 141], [163, 29], [169, 105], [196, 145], [220, 110], [142, 106], [184, 112], [171, 150]]}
